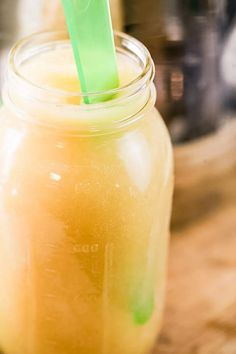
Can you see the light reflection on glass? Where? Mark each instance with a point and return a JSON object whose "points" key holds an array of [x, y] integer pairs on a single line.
{"points": [[55, 176], [134, 151], [11, 142]]}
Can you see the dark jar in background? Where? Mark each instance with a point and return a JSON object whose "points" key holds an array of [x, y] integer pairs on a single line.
{"points": [[186, 39], [192, 43]]}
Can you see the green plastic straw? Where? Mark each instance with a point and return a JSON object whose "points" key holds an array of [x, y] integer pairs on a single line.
{"points": [[90, 28]]}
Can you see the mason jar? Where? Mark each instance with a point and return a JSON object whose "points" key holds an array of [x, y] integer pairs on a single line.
{"points": [[85, 205]]}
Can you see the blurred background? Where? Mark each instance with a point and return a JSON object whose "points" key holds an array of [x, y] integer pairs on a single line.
{"points": [[193, 44]]}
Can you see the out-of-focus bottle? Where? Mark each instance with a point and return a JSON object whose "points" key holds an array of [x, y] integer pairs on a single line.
{"points": [[185, 38], [203, 23], [228, 60]]}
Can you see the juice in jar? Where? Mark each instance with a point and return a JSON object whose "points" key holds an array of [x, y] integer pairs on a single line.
{"points": [[84, 208]]}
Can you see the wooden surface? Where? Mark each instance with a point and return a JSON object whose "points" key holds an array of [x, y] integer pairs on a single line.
{"points": [[200, 315]]}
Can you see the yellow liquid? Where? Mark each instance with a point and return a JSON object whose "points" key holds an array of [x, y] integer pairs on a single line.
{"points": [[84, 229]]}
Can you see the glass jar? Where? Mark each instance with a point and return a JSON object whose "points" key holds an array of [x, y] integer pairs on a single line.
{"points": [[85, 207]]}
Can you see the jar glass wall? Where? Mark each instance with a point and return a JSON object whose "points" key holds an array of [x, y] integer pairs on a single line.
{"points": [[85, 207]]}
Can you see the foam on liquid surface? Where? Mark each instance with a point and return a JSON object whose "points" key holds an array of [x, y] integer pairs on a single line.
{"points": [[57, 69]]}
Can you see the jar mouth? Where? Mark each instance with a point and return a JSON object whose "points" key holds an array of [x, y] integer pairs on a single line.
{"points": [[124, 44]]}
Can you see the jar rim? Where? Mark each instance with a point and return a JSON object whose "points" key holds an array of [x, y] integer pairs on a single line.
{"points": [[132, 45], [57, 109]]}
